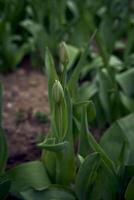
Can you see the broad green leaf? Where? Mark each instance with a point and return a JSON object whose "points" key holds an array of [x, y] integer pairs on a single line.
{"points": [[106, 184], [73, 54], [129, 195], [86, 175], [53, 192], [27, 175], [127, 101], [115, 63], [95, 180], [121, 132], [4, 188], [87, 90], [126, 82], [49, 160]]}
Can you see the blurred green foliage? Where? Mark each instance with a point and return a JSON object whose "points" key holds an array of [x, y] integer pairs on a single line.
{"points": [[29, 26]]}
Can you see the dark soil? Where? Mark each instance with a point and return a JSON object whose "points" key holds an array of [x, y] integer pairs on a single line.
{"points": [[25, 99]]}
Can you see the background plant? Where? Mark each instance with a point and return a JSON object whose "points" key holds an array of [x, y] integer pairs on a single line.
{"points": [[28, 27]]}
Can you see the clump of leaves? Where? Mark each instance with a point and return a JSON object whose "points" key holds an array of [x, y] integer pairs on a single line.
{"points": [[28, 27], [13, 48], [92, 171]]}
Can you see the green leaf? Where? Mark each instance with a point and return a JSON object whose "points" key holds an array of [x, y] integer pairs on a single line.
{"points": [[86, 175], [105, 85], [94, 145], [83, 140], [73, 54], [121, 132], [50, 145], [129, 195], [49, 160], [95, 180], [27, 175], [87, 90], [126, 82], [66, 175], [52, 192], [127, 101]]}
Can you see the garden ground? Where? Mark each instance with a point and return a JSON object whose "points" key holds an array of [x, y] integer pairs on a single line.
{"points": [[25, 95]]}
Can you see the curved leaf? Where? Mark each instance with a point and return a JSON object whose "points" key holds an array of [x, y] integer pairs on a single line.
{"points": [[127, 101], [86, 173], [54, 147], [118, 135], [129, 195], [27, 175], [95, 180], [52, 192], [126, 81]]}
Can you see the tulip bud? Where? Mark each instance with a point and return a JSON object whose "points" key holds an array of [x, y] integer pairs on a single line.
{"points": [[63, 54], [57, 92]]}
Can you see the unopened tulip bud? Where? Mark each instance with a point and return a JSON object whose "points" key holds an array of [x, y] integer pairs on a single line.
{"points": [[63, 54], [57, 92]]}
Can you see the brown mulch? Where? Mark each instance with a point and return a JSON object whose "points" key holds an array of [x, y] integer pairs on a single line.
{"points": [[25, 94]]}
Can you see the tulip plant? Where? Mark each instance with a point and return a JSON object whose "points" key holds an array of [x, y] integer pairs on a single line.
{"points": [[73, 166]]}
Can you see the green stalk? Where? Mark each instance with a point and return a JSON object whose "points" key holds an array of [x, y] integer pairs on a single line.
{"points": [[60, 122], [96, 147]]}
